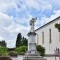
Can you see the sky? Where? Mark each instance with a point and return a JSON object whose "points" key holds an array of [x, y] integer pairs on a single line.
{"points": [[16, 14]]}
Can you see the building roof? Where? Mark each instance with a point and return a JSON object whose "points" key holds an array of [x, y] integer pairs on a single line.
{"points": [[48, 23]]}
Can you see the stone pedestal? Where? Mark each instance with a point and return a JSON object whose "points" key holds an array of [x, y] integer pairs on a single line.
{"points": [[32, 53], [31, 43]]}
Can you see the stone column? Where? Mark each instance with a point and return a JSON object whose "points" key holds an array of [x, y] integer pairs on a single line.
{"points": [[31, 42]]}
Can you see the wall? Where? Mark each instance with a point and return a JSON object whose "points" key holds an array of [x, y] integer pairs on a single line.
{"points": [[54, 37]]}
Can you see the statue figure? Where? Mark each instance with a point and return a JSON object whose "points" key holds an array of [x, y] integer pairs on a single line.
{"points": [[32, 21]]}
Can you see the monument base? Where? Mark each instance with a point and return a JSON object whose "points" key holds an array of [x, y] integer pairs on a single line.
{"points": [[32, 53], [33, 58]]}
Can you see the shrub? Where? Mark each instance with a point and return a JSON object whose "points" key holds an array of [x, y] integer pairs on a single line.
{"points": [[21, 49], [21, 53], [12, 53], [5, 58], [41, 50], [3, 51]]}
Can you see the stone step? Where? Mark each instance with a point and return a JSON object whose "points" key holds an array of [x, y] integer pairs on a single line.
{"points": [[33, 58]]}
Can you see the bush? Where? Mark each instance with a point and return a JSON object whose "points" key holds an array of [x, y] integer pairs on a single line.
{"points": [[21, 50], [3, 51], [12, 53], [5, 58], [41, 50], [21, 53]]}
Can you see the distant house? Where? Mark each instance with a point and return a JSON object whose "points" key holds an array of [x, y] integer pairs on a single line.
{"points": [[48, 36]]}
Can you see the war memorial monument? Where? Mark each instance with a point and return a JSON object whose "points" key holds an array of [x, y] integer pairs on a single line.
{"points": [[32, 53]]}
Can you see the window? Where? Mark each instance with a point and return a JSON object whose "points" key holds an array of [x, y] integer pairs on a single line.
{"points": [[37, 39], [42, 37], [49, 35]]}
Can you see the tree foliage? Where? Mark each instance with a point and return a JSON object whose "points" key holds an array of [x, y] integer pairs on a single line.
{"points": [[57, 26], [41, 50], [21, 49], [3, 43], [24, 41], [18, 40]]}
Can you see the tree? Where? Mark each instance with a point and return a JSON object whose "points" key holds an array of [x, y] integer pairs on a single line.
{"points": [[41, 50], [18, 40], [0, 43], [3, 43], [24, 41], [58, 27]]}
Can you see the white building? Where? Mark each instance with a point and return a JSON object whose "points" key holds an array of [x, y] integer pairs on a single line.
{"points": [[48, 36]]}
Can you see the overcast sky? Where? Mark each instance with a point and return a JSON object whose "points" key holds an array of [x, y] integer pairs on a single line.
{"points": [[15, 16]]}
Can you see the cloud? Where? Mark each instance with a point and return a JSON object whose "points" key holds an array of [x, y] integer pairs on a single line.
{"points": [[32, 4], [11, 43], [56, 14], [55, 4], [9, 29], [44, 19], [15, 16], [5, 20], [4, 5], [36, 4]]}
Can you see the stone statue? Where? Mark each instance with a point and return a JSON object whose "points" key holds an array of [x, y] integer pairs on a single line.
{"points": [[32, 21], [32, 53]]}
